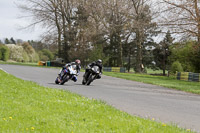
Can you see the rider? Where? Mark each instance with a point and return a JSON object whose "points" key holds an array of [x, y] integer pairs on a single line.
{"points": [[95, 63], [78, 68]]}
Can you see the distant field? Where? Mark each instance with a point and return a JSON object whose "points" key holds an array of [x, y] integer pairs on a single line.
{"points": [[27, 107]]}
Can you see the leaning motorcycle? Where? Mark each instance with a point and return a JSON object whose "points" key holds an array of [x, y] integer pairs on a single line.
{"points": [[66, 74], [92, 74]]}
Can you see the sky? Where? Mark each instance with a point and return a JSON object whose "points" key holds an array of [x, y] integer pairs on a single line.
{"points": [[10, 22]]}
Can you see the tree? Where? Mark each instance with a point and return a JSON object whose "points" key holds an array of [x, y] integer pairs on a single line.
{"points": [[79, 26], [7, 41], [28, 48], [45, 55], [29, 52], [162, 52], [4, 53], [115, 20], [47, 14], [186, 53], [143, 27], [1, 45], [16, 52], [19, 41], [176, 67], [182, 17], [12, 41]]}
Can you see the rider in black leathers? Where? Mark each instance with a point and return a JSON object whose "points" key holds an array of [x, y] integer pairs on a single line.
{"points": [[95, 63]]}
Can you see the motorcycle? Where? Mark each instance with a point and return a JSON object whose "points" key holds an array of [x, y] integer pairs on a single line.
{"points": [[92, 74], [66, 74]]}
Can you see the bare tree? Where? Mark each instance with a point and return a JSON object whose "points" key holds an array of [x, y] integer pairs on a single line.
{"points": [[79, 25], [46, 14], [182, 17], [142, 26], [114, 18]]}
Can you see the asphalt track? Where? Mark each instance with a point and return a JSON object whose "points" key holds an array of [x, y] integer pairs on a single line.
{"points": [[144, 100]]}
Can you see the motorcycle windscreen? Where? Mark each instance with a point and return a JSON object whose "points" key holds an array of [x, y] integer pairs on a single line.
{"points": [[73, 69], [96, 69]]}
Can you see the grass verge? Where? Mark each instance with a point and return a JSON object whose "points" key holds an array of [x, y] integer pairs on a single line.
{"points": [[27, 107], [169, 82]]}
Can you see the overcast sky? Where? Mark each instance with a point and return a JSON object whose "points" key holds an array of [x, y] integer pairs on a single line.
{"points": [[10, 22]]}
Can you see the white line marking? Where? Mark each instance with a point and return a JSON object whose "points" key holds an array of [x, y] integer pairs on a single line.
{"points": [[4, 70]]}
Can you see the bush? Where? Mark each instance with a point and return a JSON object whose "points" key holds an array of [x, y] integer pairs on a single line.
{"points": [[16, 52], [45, 55], [4, 53], [176, 67], [29, 55], [186, 54], [19, 54], [0, 54]]}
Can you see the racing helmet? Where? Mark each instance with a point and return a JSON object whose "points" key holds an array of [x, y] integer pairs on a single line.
{"points": [[99, 61], [78, 61]]}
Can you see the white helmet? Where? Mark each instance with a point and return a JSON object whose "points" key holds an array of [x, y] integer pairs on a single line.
{"points": [[99, 61]]}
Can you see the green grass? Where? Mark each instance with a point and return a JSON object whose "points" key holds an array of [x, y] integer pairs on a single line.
{"points": [[169, 82], [150, 71], [27, 107]]}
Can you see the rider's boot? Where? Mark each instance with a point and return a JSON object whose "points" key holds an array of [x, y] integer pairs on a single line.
{"points": [[74, 78]]}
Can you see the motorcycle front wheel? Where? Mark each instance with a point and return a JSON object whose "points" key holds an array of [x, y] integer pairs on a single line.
{"points": [[65, 79], [83, 82], [56, 81], [90, 79]]}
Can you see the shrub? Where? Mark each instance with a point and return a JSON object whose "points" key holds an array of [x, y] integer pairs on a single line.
{"points": [[23, 53], [29, 55], [16, 52], [176, 67], [186, 54], [45, 55], [0, 54], [4, 53]]}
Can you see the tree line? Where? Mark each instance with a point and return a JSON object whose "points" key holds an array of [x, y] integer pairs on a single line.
{"points": [[121, 32], [25, 51]]}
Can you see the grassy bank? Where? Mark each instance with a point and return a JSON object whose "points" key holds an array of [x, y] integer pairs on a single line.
{"points": [[28, 107], [169, 82]]}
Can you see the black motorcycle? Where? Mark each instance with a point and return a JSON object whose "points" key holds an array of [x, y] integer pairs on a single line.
{"points": [[66, 74], [90, 75]]}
